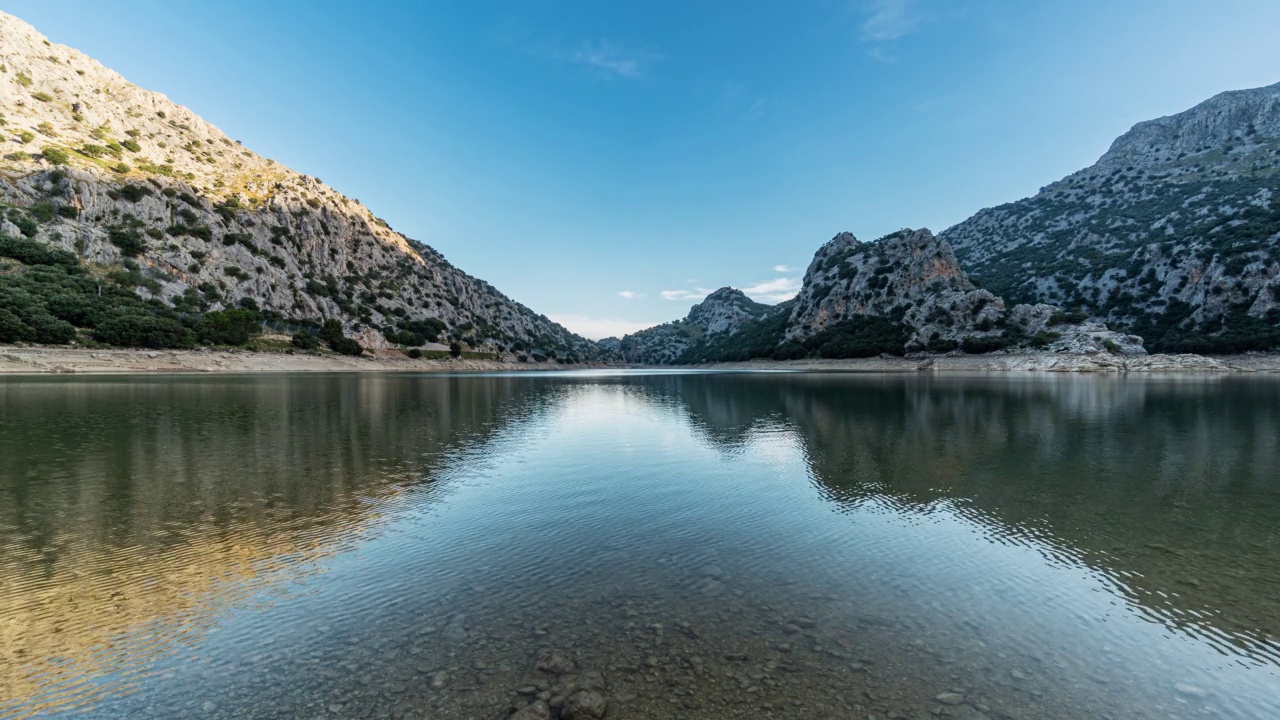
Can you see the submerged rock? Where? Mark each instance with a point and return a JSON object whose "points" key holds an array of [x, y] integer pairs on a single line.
{"points": [[584, 705]]}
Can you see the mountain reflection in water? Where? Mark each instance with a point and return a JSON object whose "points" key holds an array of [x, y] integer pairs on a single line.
{"points": [[1050, 547]]}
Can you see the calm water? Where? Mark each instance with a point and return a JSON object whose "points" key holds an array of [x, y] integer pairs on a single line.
{"points": [[688, 545]]}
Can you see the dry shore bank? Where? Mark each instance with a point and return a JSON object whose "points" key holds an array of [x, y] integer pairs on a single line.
{"points": [[1025, 362], [29, 359], [15, 359]]}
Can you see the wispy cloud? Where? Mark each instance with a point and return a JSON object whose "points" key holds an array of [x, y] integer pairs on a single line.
{"points": [[885, 22], [611, 60], [740, 100], [775, 290], [783, 268], [694, 294], [888, 20], [596, 328], [630, 294]]}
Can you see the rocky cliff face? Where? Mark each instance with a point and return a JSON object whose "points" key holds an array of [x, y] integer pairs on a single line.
{"points": [[95, 165], [720, 315], [908, 275], [903, 293], [1174, 234], [913, 279]]}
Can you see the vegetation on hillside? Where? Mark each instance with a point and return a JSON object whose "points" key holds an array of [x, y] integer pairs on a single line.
{"points": [[49, 296], [1176, 254]]}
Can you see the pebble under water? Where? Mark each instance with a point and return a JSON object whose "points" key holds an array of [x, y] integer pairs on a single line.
{"points": [[640, 545]]}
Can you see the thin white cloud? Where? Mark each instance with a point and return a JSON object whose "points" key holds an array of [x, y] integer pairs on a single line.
{"points": [[783, 268], [888, 20], [630, 294], [740, 100], [775, 290], [596, 328], [694, 294], [610, 60]]}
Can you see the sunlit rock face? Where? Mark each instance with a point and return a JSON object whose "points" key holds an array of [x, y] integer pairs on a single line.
{"points": [[123, 170]]}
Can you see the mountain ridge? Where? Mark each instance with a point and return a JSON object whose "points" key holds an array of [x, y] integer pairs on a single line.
{"points": [[1173, 234], [206, 224]]}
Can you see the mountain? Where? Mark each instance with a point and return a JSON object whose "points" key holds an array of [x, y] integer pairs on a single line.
{"points": [[1174, 234], [905, 292], [719, 315], [177, 220]]}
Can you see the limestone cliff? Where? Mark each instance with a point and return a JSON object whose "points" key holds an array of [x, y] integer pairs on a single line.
{"points": [[115, 173], [719, 315], [1174, 234]]}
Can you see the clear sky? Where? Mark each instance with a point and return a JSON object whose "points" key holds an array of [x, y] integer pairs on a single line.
{"points": [[608, 163]]}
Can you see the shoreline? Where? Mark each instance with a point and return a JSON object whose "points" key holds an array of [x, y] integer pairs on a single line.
{"points": [[1025, 362], [56, 360], [51, 360]]}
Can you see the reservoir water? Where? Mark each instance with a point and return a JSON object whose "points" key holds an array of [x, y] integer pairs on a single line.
{"points": [[656, 545]]}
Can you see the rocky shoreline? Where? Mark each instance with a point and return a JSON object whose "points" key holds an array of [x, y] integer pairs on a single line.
{"points": [[55, 360], [35, 359], [1025, 362]]}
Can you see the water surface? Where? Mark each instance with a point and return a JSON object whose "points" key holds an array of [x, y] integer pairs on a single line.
{"points": [[699, 545]]}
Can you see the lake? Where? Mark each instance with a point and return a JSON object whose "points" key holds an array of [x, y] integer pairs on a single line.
{"points": [[670, 544]]}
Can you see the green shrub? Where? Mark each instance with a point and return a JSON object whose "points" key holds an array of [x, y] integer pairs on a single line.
{"points": [[228, 327], [346, 346], [24, 80], [130, 242], [331, 330], [861, 336], [43, 212], [120, 168], [942, 345], [24, 222], [57, 156], [305, 340], [415, 353], [93, 151], [978, 345], [26, 136], [455, 349], [31, 252], [1042, 339], [42, 96], [134, 193], [46, 328], [12, 329], [131, 145], [138, 330], [68, 211]]}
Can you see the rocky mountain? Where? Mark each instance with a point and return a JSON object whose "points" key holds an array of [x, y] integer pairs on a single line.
{"points": [[1174, 234], [903, 293], [719, 315], [150, 197]]}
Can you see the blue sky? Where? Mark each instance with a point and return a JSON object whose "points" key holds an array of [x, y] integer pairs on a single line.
{"points": [[609, 163]]}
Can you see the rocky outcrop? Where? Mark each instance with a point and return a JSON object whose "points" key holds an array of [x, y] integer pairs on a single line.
{"points": [[1174, 234], [118, 174], [903, 293], [913, 279], [719, 315], [908, 275], [724, 311]]}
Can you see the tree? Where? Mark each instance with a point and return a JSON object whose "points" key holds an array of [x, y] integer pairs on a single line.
{"points": [[455, 349], [331, 330]]}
